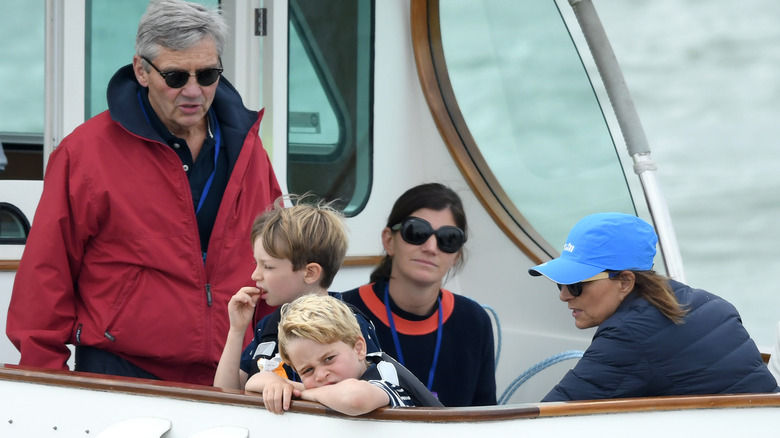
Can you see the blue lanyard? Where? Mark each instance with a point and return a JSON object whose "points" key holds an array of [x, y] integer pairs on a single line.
{"points": [[398, 343], [218, 140]]}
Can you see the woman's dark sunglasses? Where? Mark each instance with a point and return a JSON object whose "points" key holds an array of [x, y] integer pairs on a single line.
{"points": [[179, 78], [417, 231], [575, 289]]}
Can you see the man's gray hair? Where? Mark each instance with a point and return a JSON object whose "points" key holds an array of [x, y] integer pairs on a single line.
{"points": [[178, 25]]}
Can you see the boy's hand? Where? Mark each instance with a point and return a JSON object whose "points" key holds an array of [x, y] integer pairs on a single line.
{"points": [[241, 307], [277, 391]]}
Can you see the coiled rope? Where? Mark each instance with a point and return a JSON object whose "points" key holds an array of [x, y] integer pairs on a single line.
{"points": [[498, 336], [530, 372]]}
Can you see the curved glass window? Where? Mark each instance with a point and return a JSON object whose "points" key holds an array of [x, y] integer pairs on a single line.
{"points": [[14, 226], [329, 100], [532, 111]]}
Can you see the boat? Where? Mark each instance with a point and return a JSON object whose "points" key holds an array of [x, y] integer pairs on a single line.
{"points": [[502, 101]]}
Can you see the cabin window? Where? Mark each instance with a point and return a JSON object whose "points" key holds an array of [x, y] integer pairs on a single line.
{"points": [[14, 226], [329, 100], [538, 125], [22, 96], [23, 156], [22, 77]]}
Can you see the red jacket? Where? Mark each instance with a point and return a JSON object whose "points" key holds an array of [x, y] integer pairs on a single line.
{"points": [[113, 259]]}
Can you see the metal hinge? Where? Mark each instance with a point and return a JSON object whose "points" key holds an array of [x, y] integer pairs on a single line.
{"points": [[261, 21]]}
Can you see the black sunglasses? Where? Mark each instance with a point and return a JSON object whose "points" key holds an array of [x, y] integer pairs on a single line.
{"points": [[417, 231], [575, 289], [179, 78]]}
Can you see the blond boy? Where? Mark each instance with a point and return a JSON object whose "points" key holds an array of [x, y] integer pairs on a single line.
{"points": [[321, 340]]}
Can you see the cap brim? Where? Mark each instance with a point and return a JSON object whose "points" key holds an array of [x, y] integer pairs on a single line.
{"points": [[563, 271]]}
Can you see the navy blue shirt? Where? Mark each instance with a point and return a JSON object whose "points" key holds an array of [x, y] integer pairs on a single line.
{"points": [[198, 171], [465, 371]]}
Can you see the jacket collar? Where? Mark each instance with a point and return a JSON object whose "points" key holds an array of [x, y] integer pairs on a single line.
{"points": [[126, 108]]}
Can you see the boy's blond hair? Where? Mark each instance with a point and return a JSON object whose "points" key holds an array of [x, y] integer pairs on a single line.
{"points": [[304, 233], [320, 318]]}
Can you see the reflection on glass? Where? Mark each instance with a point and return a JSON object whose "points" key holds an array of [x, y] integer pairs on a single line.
{"points": [[14, 226], [22, 75], [313, 126], [329, 104], [532, 111]]}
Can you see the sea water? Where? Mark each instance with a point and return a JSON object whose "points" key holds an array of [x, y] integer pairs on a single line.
{"points": [[705, 77]]}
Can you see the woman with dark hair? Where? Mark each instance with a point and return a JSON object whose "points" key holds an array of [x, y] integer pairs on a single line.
{"points": [[445, 339], [655, 336]]}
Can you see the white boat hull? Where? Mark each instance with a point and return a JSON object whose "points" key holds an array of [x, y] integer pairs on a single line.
{"points": [[68, 404], [409, 148]]}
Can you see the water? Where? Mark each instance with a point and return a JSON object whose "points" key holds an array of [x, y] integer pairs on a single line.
{"points": [[704, 77]]}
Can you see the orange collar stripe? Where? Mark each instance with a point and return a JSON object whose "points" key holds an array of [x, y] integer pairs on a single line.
{"points": [[406, 326]]}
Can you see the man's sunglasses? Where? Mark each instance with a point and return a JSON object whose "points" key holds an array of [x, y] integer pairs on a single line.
{"points": [[575, 289], [179, 78], [417, 231]]}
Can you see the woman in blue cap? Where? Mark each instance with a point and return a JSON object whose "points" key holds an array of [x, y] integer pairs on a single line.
{"points": [[655, 336]]}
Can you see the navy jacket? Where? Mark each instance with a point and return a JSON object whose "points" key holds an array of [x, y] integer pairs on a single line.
{"points": [[639, 352]]}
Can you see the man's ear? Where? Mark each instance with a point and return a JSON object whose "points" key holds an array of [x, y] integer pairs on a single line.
{"points": [[140, 72], [313, 273]]}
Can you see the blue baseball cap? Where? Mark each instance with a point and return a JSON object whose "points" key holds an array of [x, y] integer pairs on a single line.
{"points": [[600, 242]]}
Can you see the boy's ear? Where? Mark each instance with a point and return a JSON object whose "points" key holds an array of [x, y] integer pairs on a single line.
{"points": [[360, 347], [312, 274]]}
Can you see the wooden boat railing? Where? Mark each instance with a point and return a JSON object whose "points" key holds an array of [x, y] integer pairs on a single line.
{"points": [[470, 414]]}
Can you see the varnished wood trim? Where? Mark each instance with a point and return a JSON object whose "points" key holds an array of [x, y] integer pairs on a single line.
{"points": [[209, 394], [670, 403], [9, 265], [362, 261], [434, 78], [97, 382]]}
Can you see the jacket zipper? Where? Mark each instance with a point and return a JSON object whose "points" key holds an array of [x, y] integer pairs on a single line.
{"points": [[208, 294]]}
